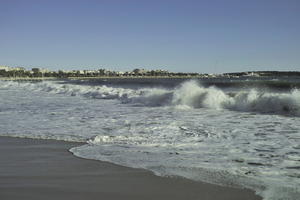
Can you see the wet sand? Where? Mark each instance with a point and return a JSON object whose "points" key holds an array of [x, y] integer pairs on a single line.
{"points": [[45, 169]]}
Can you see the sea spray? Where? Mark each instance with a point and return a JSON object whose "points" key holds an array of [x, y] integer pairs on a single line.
{"points": [[192, 94]]}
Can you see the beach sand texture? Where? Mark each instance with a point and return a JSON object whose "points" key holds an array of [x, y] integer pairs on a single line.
{"points": [[45, 169]]}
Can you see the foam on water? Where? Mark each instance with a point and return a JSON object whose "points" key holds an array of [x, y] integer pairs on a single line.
{"points": [[188, 94], [195, 96], [245, 138]]}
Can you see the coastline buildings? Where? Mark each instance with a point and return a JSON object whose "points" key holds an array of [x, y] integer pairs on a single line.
{"points": [[6, 71], [15, 72]]}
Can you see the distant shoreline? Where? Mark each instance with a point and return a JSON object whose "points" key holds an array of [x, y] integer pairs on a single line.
{"points": [[26, 78], [20, 73], [97, 77], [199, 76]]}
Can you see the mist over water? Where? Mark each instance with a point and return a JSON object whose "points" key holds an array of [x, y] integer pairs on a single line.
{"points": [[237, 136]]}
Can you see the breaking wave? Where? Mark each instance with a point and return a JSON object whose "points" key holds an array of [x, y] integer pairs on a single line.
{"points": [[189, 94], [193, 95]]}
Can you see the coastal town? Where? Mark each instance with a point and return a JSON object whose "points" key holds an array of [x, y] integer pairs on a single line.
{"points": [[11, 72], [21, 72]]}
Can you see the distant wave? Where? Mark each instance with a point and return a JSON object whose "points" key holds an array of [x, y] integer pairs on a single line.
{"points": [[189, 94], [97, 92]]}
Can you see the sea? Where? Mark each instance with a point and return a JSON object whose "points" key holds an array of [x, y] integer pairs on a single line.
{"points": [[240, 132]]}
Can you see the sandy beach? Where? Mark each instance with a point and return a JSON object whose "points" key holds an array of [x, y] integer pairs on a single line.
{"points": [[45, 169]]}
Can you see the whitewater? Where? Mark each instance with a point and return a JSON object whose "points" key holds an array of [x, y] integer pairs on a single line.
{"points": [[245, 137]]}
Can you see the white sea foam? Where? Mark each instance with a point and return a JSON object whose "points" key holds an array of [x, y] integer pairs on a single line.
{"points": [[195, 96], [201, 133], [189, 94]]}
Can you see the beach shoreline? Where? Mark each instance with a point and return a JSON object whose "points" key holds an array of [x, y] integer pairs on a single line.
{"points": [[45, 169]]}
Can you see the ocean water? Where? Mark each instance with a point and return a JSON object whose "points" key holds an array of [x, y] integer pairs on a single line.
{"points": [[241, 133]]}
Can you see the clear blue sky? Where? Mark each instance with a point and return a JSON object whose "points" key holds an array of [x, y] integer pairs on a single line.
{"points": [[210, 36]]}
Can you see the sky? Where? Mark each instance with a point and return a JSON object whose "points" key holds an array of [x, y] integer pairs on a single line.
{"points": [[205, 36]]}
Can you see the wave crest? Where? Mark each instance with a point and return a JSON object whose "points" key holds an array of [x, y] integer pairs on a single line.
{"points": [[194, 95], [189, 94]]}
